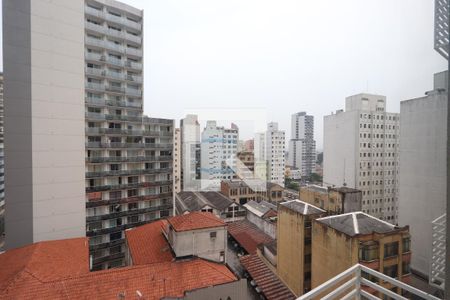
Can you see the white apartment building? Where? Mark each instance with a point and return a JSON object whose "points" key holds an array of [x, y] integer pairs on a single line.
{"points": [[218, 154], [361, 151], [260, 162], [82, 159], [422, 172], [190, 153], [302, 146], [275, 154]]}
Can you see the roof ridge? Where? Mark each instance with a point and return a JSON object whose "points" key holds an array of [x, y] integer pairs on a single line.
{"points": [[203, 199]]}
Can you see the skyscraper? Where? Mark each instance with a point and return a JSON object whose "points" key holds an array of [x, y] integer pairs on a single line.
{"points": [[218, 154], [275, 153], [302, 146], [361, 151], [82, 157], [260, 156]]}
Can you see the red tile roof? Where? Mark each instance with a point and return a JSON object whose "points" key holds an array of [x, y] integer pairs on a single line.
{"points": [[147, 243], [154, 281], [43, 262], [269, 283], [195, 220], [248, 235]]}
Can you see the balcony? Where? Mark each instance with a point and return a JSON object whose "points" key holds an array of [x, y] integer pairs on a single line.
{"points": [[94, 56], [115, 61], [437, 269], [126, 186], [100, 159], [352, 284], [93, 12], [128, 200], [133, 38], [126, 172], [134, 92], [95, 101], [94, 42], [115, 89], [134, 78], [132, 51], [94, 27], [115, 47], [94, 116], [95, 86], [115, 75], [94, 72], [133, 65], [127, 213]]}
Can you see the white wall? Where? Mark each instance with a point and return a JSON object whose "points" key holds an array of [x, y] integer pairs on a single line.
{"points": [[340, 148], [199, 243], [44, 104], [422, 178]]}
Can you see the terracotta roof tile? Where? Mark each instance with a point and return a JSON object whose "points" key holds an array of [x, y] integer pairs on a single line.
{"points": [[147, 243], [248, 235], [195, 220], [44, 261], [269, 283], [154, 281]]}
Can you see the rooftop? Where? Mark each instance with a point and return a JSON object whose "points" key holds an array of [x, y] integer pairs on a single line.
{"points": [[43, 261], [248, 235], [269, 283], [154, 281], [253, 183], [260, 208], [195, 220], [315, 188], [193, 201], [356, 223], [302, 207], [345, 189], [147, 244]]}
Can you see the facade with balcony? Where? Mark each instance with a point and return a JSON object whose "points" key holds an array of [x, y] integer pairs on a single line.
{"points": [[128, 155]]}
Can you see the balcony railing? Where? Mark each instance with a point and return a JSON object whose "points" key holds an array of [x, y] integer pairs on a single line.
{"points": [[437, 269], [133, 65], [351, 284], [132, 51], [134, 92]]}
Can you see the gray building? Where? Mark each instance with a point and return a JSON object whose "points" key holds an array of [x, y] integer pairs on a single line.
{"points": [[361, 152], [422, 178], [82, 159], [190, 153], [302, 146]]}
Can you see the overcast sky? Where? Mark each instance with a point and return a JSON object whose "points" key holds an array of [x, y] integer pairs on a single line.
{"points": [[284, 56]]}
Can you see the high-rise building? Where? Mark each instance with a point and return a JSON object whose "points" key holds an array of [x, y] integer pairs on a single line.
{"points": [[218, 154], [275, 154], [302, 146], [190, 153], [128, 155], [177, 161], [422, 172], [260, 156], [88, 163], [45, 123], [361, 152]]}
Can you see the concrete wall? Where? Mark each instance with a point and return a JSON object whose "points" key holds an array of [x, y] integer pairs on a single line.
{"points": [[332, 253], [236, 290], [422, 182], [340, 148], [199, 243], [290, 249], [44, 123], [266, 226]]}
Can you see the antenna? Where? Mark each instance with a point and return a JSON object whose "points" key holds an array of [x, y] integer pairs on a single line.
{"points": [[344, 184]]}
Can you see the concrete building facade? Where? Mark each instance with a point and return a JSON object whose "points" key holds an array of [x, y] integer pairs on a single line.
{"points": [[218, 154], [294, 250], [302, 146], [361, 147], [190, 153], [422, 178], [177, 161], [43, 61], [341, 241], [275, 154], [260, 156]]}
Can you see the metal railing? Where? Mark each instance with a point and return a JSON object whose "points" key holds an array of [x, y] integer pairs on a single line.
{"points": [[437, 267], [351, 284]]}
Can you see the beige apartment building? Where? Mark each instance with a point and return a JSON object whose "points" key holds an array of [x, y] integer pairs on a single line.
{"points": [[294, 244]]}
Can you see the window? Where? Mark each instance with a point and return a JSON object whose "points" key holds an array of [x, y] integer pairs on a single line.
{"points": [[213, 234], [164, 213], [390, 249], [406, 244], [406, 269], [368, 251], [391, 271], [115, 236]]}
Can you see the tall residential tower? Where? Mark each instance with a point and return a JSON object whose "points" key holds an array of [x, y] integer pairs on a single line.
{"points": [[275, 153], [361, 151], [302, 146]]}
